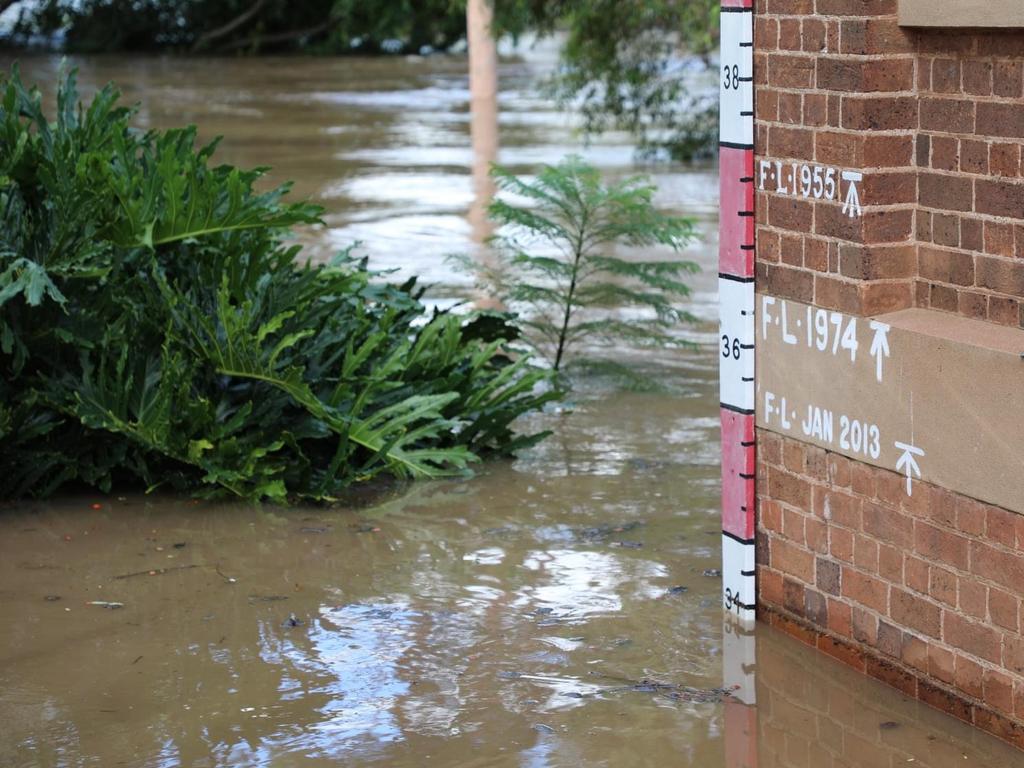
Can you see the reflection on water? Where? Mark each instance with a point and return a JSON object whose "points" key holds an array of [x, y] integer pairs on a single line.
{"points": [[505, 620]]}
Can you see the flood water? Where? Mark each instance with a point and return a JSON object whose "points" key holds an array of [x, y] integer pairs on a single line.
{"points": [[559, 610]]}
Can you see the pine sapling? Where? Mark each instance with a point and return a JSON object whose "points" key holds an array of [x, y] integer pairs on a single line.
{"points": [[556, 263]]}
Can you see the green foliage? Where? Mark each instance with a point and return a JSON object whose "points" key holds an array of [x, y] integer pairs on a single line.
{"points": [[557, 262], [249, 26], [155, 329]]}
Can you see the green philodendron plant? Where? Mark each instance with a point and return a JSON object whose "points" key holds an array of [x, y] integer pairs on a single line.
{"points": [[557, 266], [156, 329]]}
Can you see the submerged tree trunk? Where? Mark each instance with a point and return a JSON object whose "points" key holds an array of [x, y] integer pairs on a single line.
{"points": [[483, 126]]}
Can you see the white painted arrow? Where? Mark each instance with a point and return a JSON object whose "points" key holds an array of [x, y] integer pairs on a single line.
{"points": [[879, 345], [851, 206], [908, 463]]}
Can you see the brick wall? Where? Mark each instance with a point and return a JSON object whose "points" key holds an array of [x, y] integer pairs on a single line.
{"points": [[935, 119], [923, 592]]}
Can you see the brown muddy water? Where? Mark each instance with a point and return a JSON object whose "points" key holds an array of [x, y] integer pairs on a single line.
{"points": [[559, 610]]}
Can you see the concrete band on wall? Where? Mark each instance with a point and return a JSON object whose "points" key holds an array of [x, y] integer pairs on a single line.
{"points": [[890, 279]]}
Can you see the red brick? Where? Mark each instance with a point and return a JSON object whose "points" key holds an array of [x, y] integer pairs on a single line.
{"points": [[954, 267], [884, 151], [769, 586], [785, 71], [972, 597], [864, 76], [975, 638], [946, 230], [766, 34], [815, 109], [973, 305], [865, 626], [842, 509], [786, 282], [790, 111], [766, 105], [888, 525], [977, 77], [1000, 526], [951, 193], [888, 226], [945, 75], [865, 554], [790, 213], [942, 585], [881, 297], [973, 156], [856, 7], [889, 188], [793, 595], [828, 576], [947, 115], [996, 119], [874, 36], [816, 254], [909, 610], [814, 35], [998, 239], [879, 113], [890, 563], [942, 297], [839, 617], [790, 7], [945, 153], [1013, 653], [1007, 78], [866, 590], [1000, 275], [1004, 568], [914, 652], [1004, 609], [998, 690], [970, 234], [967, 677], [838, 470], [970, 516], [784, 143], [792, 560], [941, 546], [789, 489], [1004, 159], [941, 507], [941, 663], [789, 35], [1003, 310], [840, 545], [841, 149], [999, 198], [890, 639], [793, 526]]}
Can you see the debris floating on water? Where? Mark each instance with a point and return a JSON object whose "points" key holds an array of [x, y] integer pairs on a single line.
{"points": [[105, 604], [715, 573]]}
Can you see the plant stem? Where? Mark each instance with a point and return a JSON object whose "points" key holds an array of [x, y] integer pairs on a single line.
{"points": [[577, 257]]}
